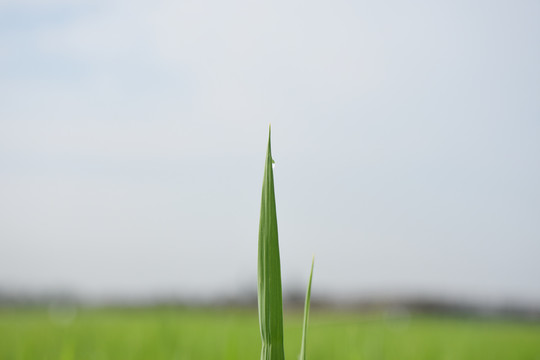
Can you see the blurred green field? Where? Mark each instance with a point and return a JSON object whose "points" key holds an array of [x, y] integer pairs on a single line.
{"points": [[153, 334]]}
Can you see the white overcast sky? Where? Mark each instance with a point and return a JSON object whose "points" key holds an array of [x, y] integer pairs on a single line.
{"points": [[406, 136]]}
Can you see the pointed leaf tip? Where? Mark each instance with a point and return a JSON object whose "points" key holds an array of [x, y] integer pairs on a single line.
{"points": [[270, 302], [306, 313]]}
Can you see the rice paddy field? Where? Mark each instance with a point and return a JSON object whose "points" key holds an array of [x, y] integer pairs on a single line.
{"points": [[173, 333]]}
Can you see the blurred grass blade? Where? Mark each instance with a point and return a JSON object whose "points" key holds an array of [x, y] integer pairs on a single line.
{"points": [[306, 313], [269, 272]]}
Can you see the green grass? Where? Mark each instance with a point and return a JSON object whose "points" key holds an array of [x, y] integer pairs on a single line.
{"points": [[306, 314], [269, 295], [269, 269], [234, 334]]}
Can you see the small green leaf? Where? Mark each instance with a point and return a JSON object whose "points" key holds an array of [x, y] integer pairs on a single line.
{"points": [[269, 270], [306, 313]]}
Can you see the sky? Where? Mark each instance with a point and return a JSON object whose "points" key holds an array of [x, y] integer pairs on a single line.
{"points": [[406, 136]]}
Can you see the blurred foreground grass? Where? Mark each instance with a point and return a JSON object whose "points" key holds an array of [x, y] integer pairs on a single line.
{"points": [[234, 334]]}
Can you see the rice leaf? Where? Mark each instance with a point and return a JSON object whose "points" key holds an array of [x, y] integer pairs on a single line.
{"points": [[306, 313], [269, 273]]}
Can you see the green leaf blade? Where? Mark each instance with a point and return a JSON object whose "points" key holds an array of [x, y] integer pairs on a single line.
{"points": [[306, 313], [269, 291]]}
